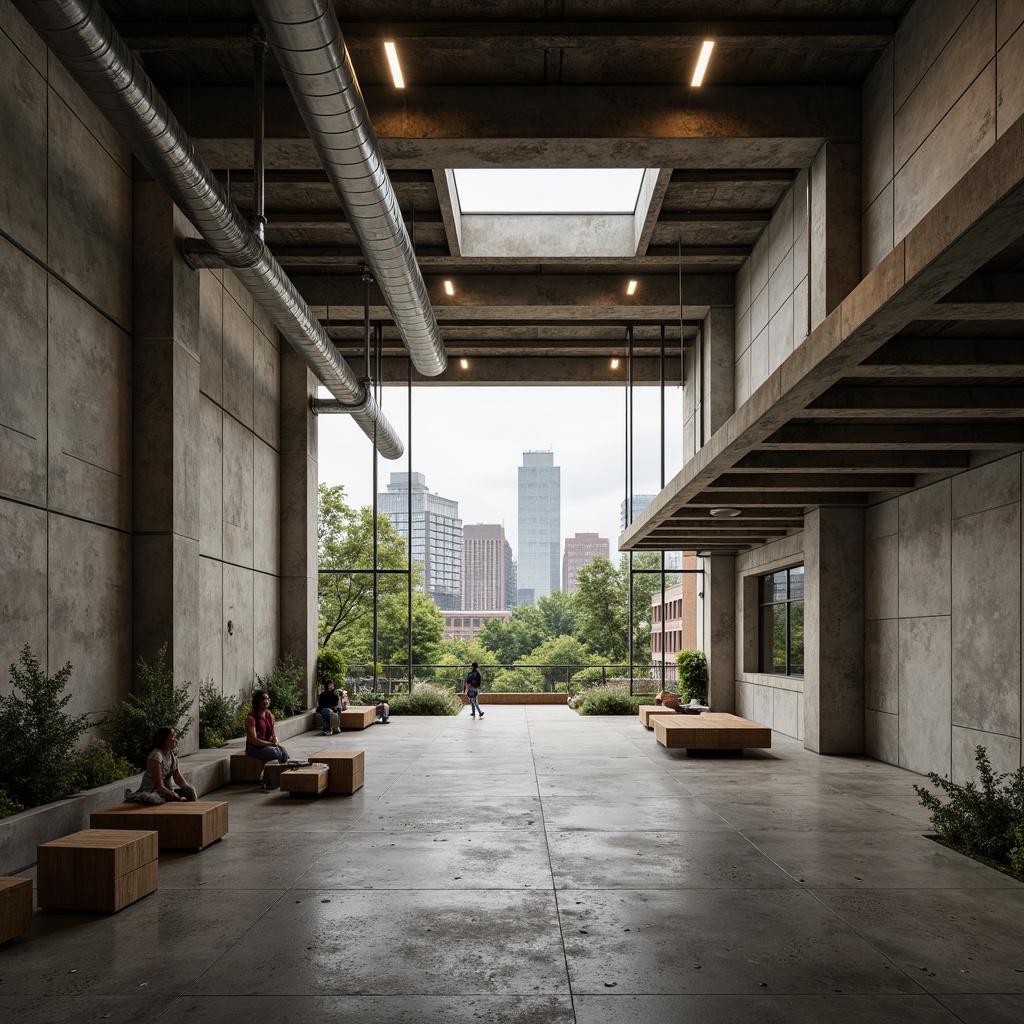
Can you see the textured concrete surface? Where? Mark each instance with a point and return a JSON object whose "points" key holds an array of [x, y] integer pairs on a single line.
{"points": [[585, 875]]}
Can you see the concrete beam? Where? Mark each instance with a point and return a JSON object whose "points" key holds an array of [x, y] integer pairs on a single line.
{"points": [[852, 462], [924, 402], [800, 482], [946, 357], [529, 297], [938, 437], [555, 126]]}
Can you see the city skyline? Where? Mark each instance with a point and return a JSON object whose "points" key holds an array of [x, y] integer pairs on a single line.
{"points": [[469, 444]]}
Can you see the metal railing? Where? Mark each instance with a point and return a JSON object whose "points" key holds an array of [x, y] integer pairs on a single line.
{"points": [[525, 678]]}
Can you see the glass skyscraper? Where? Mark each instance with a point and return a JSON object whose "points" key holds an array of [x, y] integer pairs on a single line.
{"points": [[436, 535], [540, 526]]}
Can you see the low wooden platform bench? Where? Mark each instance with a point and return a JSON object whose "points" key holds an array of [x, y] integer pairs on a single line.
{"points": [[710, 731], [180, 826], [15, 908], [358, 717], [249, 769], [96, 869], [648, 711]]}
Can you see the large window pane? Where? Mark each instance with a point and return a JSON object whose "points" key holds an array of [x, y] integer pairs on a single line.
{"points": [[781, 622], [779, 638], [796, 638], [796, 583]]}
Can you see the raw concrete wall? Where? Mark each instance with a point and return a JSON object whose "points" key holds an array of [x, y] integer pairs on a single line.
{"points": [[773, 293], [775, 701], [65, 389], [943, 623], [945, 89], [239, 485]]}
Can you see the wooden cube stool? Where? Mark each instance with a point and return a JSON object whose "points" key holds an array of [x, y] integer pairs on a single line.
{"points": [[308, 781], [180, 826], [15, 907], [345, 769], [98, 869], [359, 717], [648, 710]]}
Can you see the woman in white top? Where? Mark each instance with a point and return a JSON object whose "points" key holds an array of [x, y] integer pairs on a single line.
{"points": [[162, 769]]}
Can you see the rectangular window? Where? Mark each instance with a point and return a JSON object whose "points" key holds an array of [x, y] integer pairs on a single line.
{"points": [[781, 627]]}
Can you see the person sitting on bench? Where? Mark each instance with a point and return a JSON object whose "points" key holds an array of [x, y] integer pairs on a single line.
{"points": [[330, 702], [260, 732], [161, 770]]}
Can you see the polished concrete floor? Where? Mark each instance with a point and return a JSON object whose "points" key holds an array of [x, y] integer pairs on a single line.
{"points": [[540, 867]]}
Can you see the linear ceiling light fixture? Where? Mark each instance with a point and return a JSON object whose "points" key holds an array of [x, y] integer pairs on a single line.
{"points": [[396, 68], [726, 513], [464, 363], [702, 61], [631, 288], [449, 288]]}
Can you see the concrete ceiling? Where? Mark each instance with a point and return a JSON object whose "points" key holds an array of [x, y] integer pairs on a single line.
{"points": [[915, 376], [536, 84]]}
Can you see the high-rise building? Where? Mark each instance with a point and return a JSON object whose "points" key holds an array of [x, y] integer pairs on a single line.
{"points": [[640, 502], [436, 535], [540, 526], [580, 550], [488, 581]]}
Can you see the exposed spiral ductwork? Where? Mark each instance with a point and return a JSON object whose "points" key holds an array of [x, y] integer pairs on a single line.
{"points": [[306, 40], [82, 37]]}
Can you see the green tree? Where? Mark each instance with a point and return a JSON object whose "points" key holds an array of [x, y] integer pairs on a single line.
{"points": [[564, 651], [601, 609], [512, 640], [393, 630], [559, 613], [345, 541]]}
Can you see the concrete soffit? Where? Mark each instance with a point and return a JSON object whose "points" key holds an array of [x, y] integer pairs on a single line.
{"points": [[834, 424]]}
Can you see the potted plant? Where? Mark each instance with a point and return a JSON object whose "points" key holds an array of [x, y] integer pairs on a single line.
{"points": [[693, 675]]}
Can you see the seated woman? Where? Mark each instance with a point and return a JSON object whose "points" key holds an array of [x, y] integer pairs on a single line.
{"points": [[161, 770], [260, 732]]}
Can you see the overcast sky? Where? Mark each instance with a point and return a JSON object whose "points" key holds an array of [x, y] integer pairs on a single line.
{"points": [[469, 443]]}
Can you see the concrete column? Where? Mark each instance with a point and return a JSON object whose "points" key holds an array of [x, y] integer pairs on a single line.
{"points": [[166, 444], [835, 227], [834, 631], [299, 479], [719, 630]]}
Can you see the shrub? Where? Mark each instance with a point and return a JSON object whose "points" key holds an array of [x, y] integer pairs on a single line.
{"points": [[608, 700], [983, 822], [330, 665], [693, 675], [218, 716], [8, 806], [588, 677], [39, 762], [98, 765], [425, 699], [286, 686], [1017, 853], [131, 724]]}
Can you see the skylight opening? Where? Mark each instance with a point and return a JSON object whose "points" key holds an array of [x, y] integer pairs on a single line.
{"points": [[548, 190]]}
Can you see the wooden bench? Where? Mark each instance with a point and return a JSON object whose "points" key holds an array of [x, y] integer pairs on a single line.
{"points": [[358, 717], [180, 826], [308, 781], [649, 710], [345, 769], [15, 908], [710, 731], [98, 869]]}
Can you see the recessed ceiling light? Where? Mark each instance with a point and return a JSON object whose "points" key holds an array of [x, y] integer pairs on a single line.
{"points": [[726, 513], [631, 287], [464, 363], [615, 364], [702, 62], [449, 289], [396, 68]]}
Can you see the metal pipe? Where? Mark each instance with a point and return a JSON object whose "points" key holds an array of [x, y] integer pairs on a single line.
{"points": [[82, 37], [307, 42]]}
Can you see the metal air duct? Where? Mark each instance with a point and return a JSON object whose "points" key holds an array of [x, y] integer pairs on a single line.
{"points": [[82, 37], [306, 40]]}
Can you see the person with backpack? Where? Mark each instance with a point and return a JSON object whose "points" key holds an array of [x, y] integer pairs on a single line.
{"points": [[473, 681]]}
